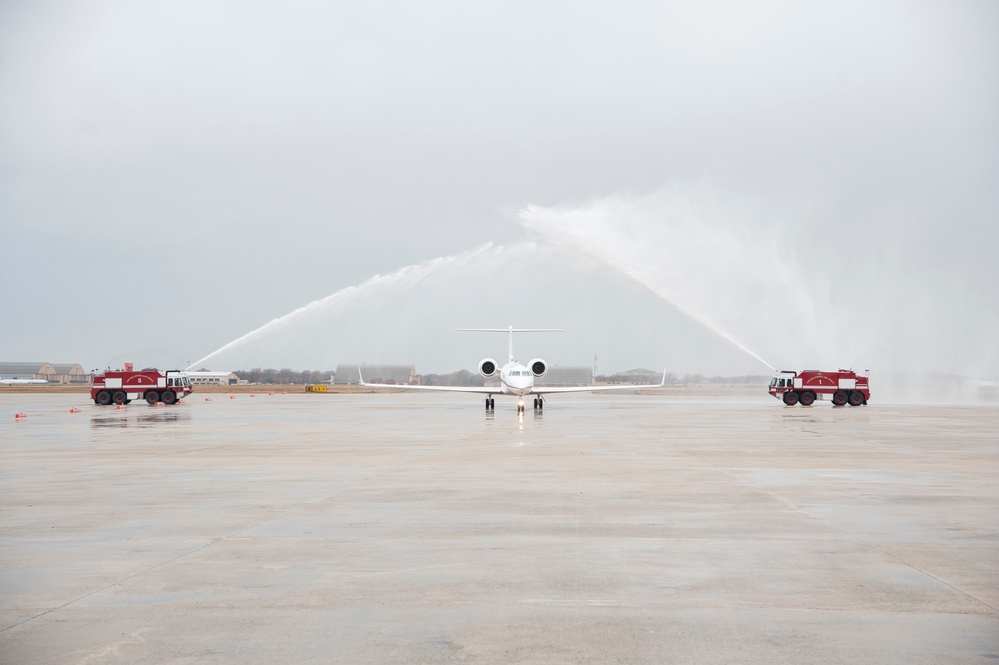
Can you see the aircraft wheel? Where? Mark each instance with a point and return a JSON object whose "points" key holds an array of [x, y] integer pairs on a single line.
{"points": [[856, 398], [152, 397], [103, 398], [790, 398], [119, 397], [806, 399], [839, 398], [169, 397]]}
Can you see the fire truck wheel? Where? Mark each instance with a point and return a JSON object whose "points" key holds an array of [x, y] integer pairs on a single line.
{"points": [[856, 398], [839, 398], [806, 399], [790, 398], [169, 397], [152, 397], [103, 398], [119, 397]]}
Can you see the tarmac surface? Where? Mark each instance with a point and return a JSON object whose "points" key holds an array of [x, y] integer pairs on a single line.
{"points": [[415, 528]]}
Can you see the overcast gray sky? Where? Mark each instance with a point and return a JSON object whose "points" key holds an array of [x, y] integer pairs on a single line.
{"points": [[814, 182]]}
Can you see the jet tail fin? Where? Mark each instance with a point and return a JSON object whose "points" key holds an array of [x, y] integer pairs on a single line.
{"points": [[510, 330]]}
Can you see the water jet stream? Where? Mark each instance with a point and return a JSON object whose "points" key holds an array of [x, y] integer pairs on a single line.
{"points": [[686, 254], [399, 280]]}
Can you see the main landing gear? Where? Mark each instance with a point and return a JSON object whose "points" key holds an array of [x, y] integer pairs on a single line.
{"points": [[539, 404]]}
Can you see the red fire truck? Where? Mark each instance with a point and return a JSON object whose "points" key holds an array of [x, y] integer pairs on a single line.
{"points": [[121, 386], [842, 386]]}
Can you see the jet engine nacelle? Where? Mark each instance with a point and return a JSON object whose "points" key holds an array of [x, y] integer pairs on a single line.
{"points": [[487, 367], [538, 367]]}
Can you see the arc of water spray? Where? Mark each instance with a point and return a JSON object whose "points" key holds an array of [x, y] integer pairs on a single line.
{"points": [[664, 294], [537, 218], [403, 278]]}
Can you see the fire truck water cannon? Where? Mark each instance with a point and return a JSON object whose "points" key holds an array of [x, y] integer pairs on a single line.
{"points": [[841, 387], [121, 386]]}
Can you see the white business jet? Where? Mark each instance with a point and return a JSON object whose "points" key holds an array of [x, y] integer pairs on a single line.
{"points": [[515, 378], [22, 382]]}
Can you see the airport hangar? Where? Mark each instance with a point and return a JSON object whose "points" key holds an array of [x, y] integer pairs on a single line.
{"points": [[51, 372]]}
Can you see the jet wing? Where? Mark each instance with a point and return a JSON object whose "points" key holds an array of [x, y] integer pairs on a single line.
{"points": [[589, 389], [495, 390]]}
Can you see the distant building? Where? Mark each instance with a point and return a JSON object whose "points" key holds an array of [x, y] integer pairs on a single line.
{"points": [[53, 373], [66, 373], [566, 376], [637, 376], [347, 374], [213, 378]]}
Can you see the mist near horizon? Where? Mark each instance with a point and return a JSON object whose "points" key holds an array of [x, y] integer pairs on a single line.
{"points": [[691, 262], [836, 299]]}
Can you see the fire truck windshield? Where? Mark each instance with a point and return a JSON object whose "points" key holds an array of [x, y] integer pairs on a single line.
{"points": [[182, 380]]}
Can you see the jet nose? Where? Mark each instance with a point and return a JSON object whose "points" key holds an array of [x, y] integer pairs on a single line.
{"points": [[517, 383]]}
